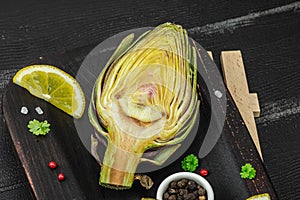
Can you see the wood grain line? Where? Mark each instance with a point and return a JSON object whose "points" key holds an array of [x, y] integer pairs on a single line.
{"points": [[5, 76], [243, 21], [12, 187], [274, 111]]}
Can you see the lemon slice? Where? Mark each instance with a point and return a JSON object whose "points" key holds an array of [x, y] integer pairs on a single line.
{"points": [[264, 196], [53, 85]]}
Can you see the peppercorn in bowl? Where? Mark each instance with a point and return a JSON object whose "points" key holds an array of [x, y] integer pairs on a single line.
{"points": [[185, 186]]}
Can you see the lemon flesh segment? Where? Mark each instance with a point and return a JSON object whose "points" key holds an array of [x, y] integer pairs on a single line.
{"points": [[264, 196], [53, 85]]}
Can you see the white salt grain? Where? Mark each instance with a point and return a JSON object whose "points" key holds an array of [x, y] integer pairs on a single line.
{"points": [[39, 110], [24, 110], [218, 94]]}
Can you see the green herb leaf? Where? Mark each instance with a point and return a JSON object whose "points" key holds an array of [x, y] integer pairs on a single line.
{"points": [[189, 163], [248, 171], [38, 128]]}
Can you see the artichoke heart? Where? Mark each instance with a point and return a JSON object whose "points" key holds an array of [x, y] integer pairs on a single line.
{"points": [[144, 98], [140, 112]]}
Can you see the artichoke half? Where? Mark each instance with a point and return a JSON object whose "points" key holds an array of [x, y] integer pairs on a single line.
{"points": [[144, 98]]}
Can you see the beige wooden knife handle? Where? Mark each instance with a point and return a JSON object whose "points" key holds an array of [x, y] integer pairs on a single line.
{"points": [[236, 81]]}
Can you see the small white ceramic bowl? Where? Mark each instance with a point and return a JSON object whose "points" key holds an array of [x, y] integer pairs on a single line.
{"points": [[188, 175]]}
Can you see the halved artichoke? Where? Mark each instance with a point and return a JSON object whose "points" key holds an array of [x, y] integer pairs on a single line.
{"points": [[144, 98]]}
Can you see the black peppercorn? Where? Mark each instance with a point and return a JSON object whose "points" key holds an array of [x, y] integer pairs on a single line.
{"points": [[182, 191], [179, 197], [172, 191], [201, 191], [192, 185], [166, 196], [181, 183], [172, 197], [173, 184]]}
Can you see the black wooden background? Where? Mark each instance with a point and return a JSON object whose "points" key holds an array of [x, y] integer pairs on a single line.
{"points": [[267, 33]]}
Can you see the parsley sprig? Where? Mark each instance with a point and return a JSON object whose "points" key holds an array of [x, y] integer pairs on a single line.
{"points": [[248, 171], [189, 163], [38, 128]]}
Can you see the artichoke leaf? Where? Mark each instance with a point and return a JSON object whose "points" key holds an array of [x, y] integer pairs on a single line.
{"points": [[122, 48], [94, 146], [186, 130], [94, 119], [162, 156]]}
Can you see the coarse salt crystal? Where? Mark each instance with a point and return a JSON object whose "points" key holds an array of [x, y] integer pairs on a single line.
{"points": [[24, 110], [218, 94], [39, 110]]}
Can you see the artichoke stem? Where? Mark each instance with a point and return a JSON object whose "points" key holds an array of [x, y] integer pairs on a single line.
{"points": [[119, 166]]}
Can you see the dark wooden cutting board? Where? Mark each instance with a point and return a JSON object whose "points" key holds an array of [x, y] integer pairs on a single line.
{"points": [[233, 149]]}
